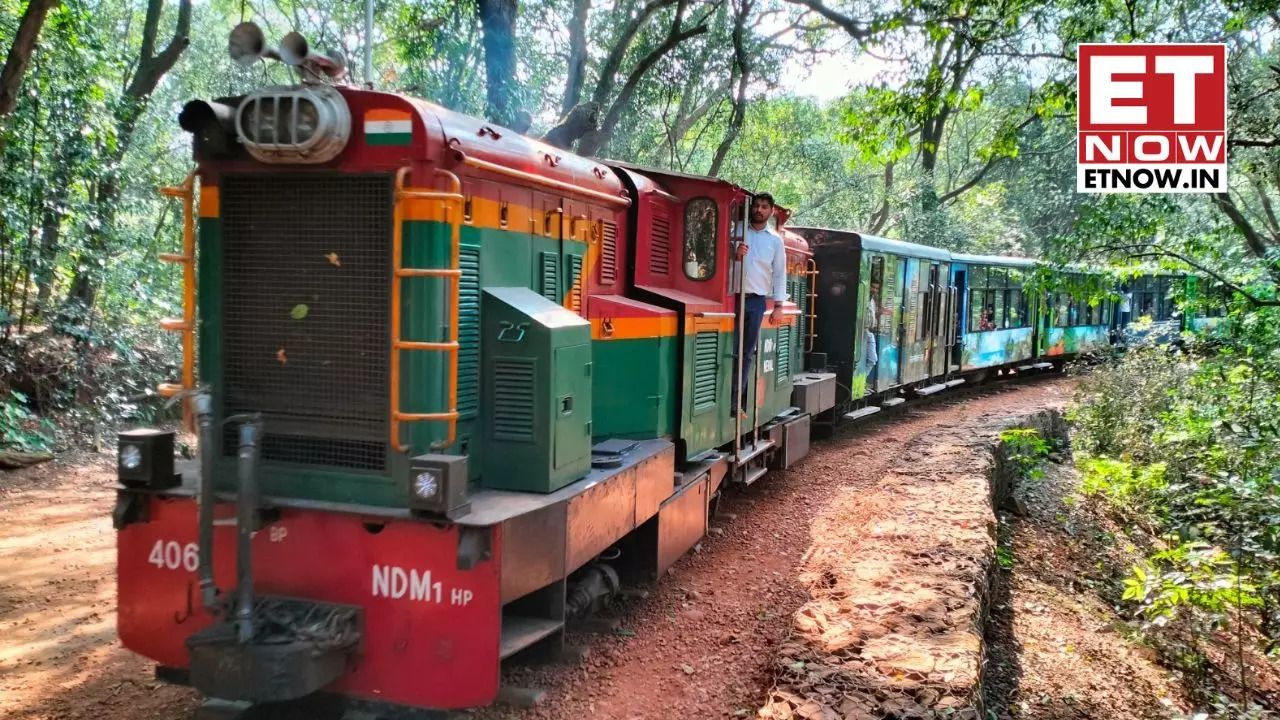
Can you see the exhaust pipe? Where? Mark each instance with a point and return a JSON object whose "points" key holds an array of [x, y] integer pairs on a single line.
{"points": [[204, 415], [246, 518], [212, 123]]}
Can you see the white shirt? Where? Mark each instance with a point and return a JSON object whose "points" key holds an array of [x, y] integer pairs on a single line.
{"points": [[765, 267], [1125, 299]]}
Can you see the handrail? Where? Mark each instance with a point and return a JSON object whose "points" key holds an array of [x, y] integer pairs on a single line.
{"points": [[187, 324], [545, 182], [452, 202], [811, 269]]}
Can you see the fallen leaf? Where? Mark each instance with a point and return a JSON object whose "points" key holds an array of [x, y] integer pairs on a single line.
{"points": [[299, 311], [281, 357], [333, 259]]}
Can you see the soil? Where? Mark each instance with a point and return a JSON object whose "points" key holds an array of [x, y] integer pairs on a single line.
{"points": [[702, 644]]}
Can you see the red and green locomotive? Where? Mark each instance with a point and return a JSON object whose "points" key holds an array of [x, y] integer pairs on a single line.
{"points": [[453, 386]]}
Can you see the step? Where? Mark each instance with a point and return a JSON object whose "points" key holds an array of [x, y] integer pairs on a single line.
{"points": [[1024, 368], [893, 402], [953, 383], [519, 633], [1042, 365], [932, 389], [754, 474], [862, 412], [751, 452]]}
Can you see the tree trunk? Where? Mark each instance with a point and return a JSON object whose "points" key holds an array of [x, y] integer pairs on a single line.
{"points": [[50, 234], [577, 56], [24, 42], [498, 20]]}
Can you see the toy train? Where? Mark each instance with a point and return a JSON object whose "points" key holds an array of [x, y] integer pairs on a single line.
{"points": [[457, 386]]}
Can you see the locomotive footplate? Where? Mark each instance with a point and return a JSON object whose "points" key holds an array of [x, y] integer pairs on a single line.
{"points": [[297, 648]]}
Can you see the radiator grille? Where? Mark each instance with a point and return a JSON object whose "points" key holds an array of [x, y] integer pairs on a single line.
{"points": [[608, 253], [305, 311], [469, 333], [513, 399], [660, 257], [706, 350]]}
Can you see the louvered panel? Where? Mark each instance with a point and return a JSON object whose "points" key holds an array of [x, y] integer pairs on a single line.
{"points": [[801, 298], [513, 393], [660, 256], [469, 333], [608, 253], [573, 275], [706, 351], [547, 278], [784, 354]]}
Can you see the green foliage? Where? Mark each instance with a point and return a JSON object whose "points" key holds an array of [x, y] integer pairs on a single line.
{"points": [[1027, 450], [1193, 574], [1189, 444], [1121, 407], [1138, 491], [1004, 556], [20, 429]]}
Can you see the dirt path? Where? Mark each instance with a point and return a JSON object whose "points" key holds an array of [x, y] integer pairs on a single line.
{"points": [[700, 646]]}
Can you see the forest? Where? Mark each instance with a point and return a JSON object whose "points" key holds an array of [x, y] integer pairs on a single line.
{"points": [[944, 123]]}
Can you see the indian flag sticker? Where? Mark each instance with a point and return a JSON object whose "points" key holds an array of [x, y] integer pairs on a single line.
{"points": [[388, 127]]}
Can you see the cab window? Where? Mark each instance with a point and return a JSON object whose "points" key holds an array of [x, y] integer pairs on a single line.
{"points": [[701, 217]]}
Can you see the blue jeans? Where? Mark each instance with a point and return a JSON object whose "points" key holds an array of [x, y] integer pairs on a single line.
{"points": [[751, 325]]}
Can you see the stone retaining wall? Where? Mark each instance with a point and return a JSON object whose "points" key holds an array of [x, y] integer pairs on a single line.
{"points": [[899, 578]]}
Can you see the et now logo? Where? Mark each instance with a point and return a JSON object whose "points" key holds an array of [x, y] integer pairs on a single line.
{"points": [[1152, 118]]}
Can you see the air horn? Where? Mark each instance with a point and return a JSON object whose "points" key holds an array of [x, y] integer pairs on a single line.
{"points": [[248, 44]]}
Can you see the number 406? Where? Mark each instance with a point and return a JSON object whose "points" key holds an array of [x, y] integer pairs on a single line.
{"points": [[172, 556]]}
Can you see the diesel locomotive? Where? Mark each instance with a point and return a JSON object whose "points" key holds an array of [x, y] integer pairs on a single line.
{"points": [[454, 387]]}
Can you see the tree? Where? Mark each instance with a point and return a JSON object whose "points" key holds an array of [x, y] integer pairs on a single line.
{"points": [[150, 67]]}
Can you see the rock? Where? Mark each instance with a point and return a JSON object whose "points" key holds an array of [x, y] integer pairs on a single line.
{"points": [[1014, 504], [715, 532], [694, 615], [15, 460], [693, 595]]}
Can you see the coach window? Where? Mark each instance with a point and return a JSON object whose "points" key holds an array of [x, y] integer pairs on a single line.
{"points": [[1015, 313], [977, 280], [700, 221], [997, 284]]}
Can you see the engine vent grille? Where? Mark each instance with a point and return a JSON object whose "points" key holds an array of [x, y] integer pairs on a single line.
{"points": [[706, 351], [608, 253], [469, 333], [575, 280], [660, 257], [784, 355], [513, 393], [549, 275], [305, 311]]}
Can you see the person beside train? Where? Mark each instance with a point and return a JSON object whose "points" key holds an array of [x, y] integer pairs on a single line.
{"points": [[764, 259]]}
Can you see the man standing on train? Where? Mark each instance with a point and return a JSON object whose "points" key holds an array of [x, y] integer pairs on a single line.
{"points": [[764, 259]]}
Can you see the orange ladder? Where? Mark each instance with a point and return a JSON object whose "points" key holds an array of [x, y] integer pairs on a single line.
{"points": [[187, 323], [452, 204]]}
